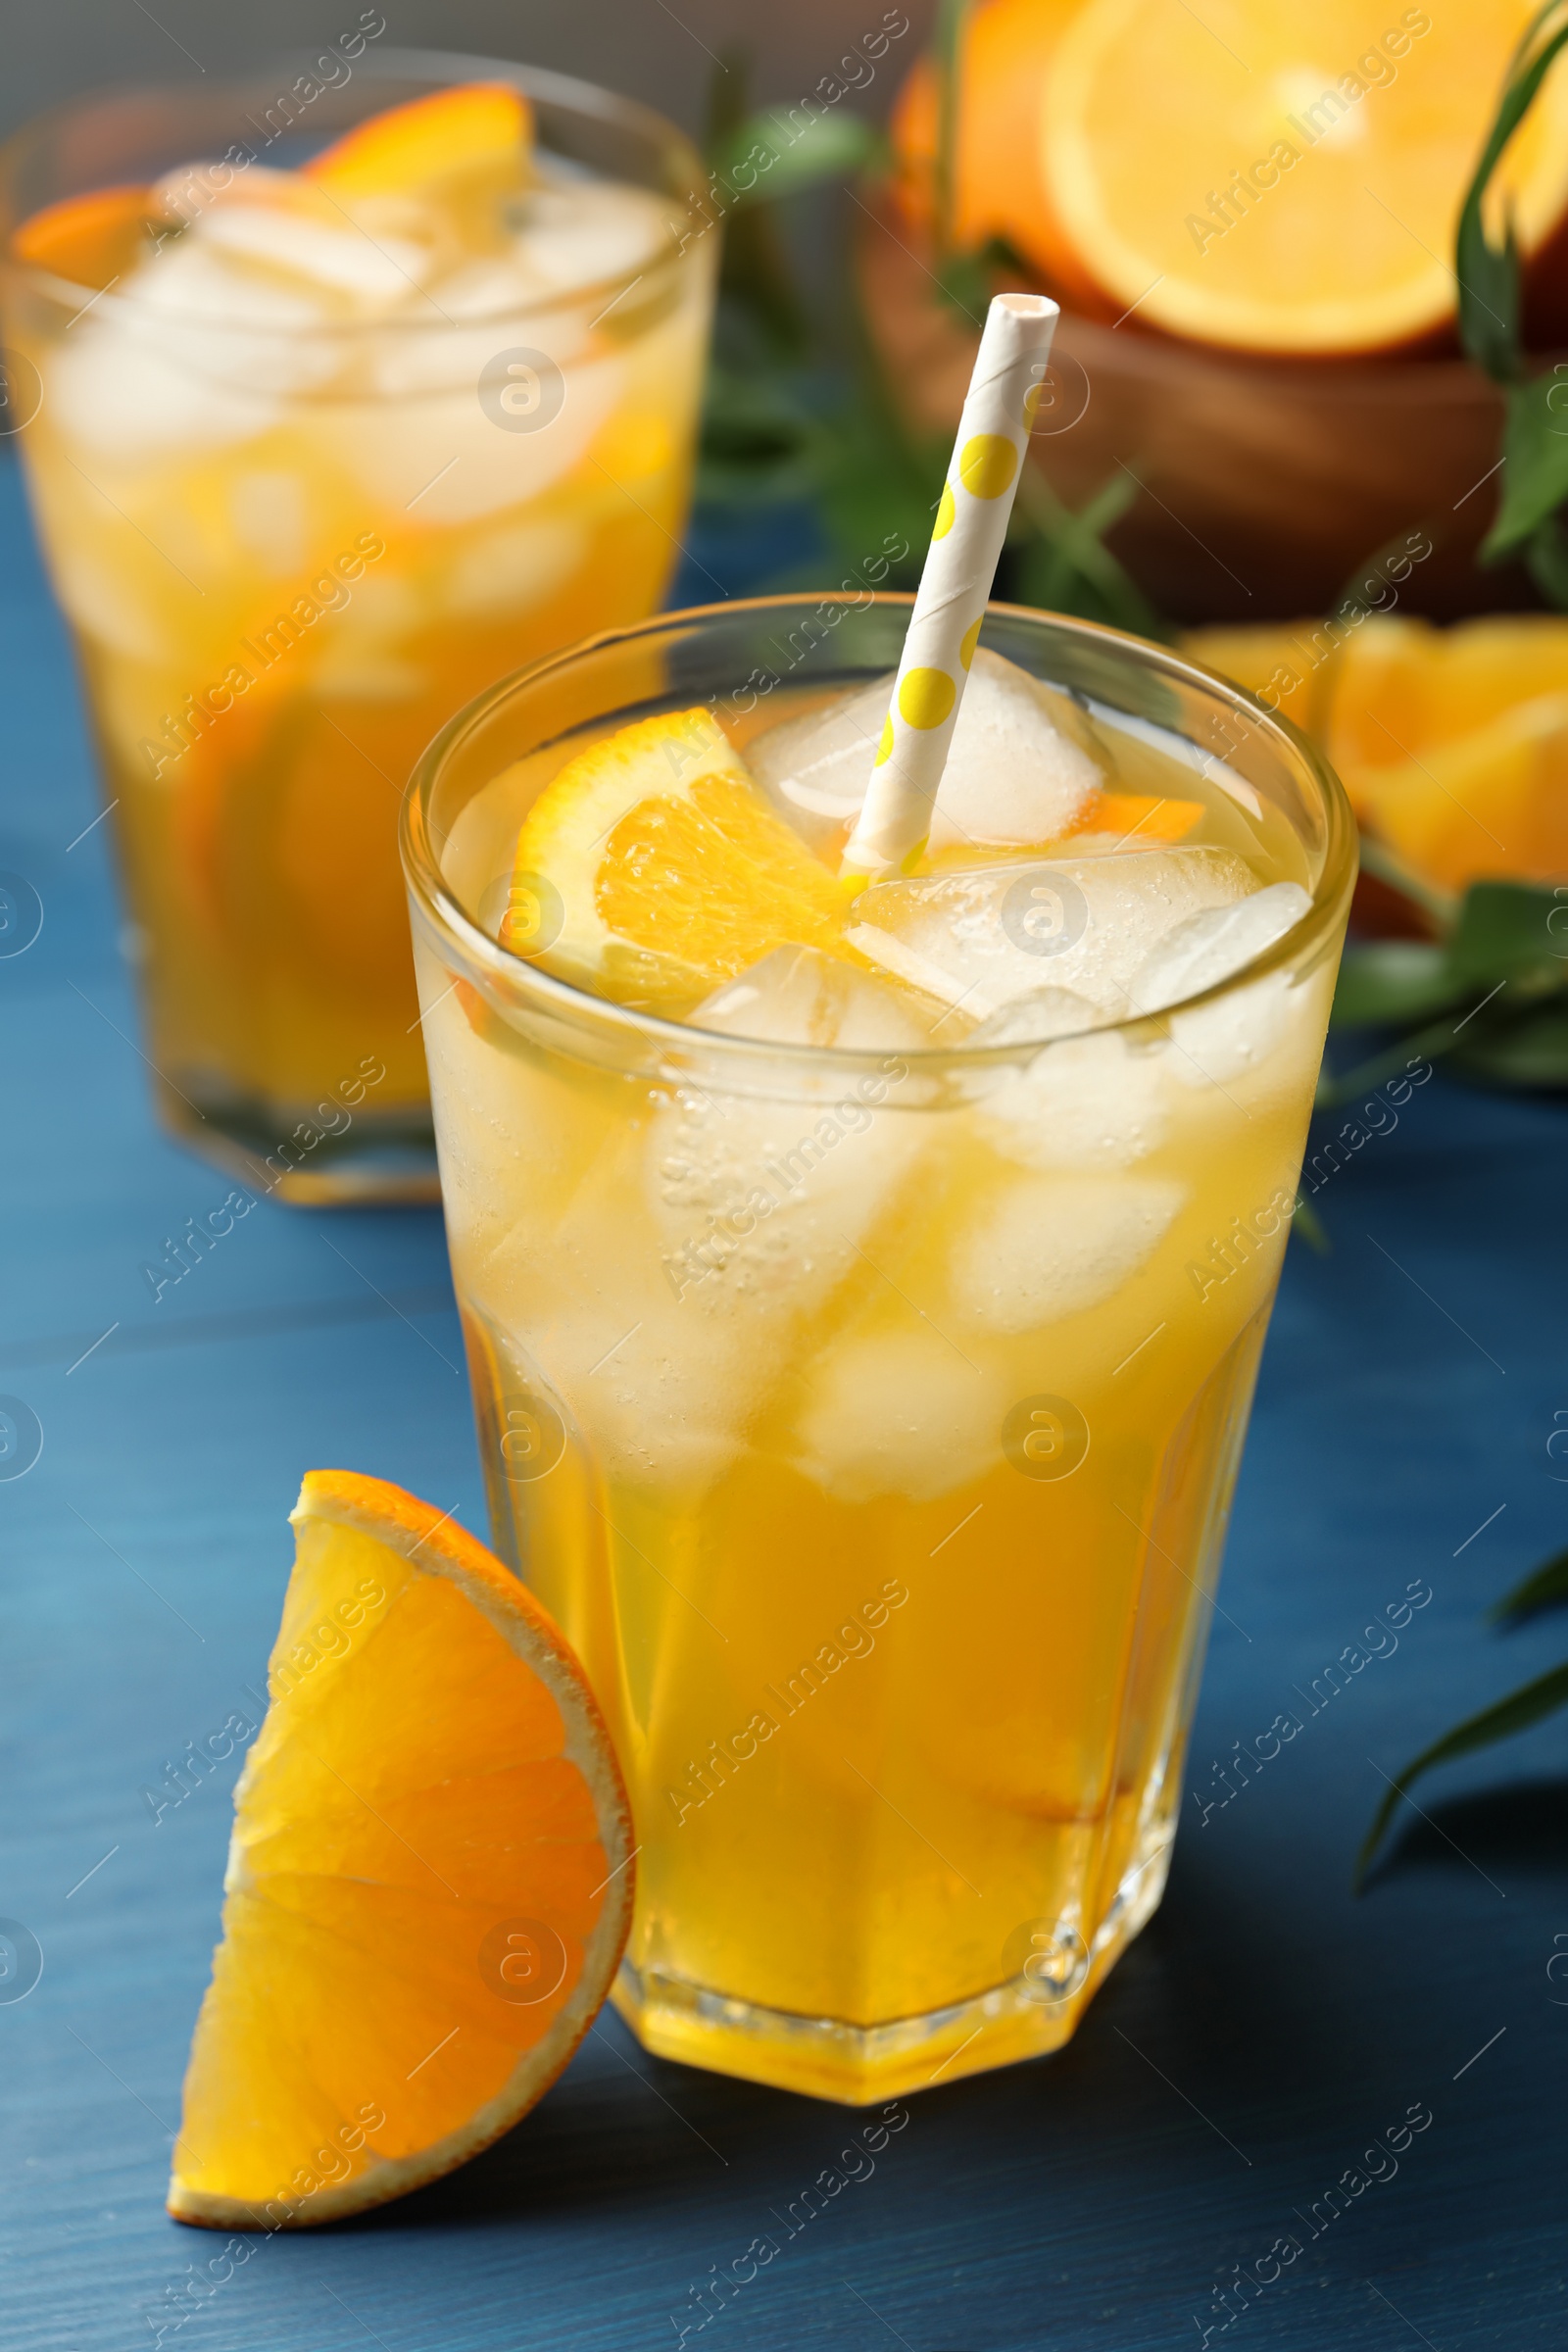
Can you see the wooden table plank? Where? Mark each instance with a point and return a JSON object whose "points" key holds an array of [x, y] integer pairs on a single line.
{"points": [[1266, 2031]]}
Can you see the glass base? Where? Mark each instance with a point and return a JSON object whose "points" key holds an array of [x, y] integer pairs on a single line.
{"points": [[389, 1161], [857, 2066]]}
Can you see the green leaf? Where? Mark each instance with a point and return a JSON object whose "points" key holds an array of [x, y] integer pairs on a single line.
{"points": [[776, 153], [1516, 1713], [1489, 274], [1391, 980], [1535, 463], [1489, 296], [1545, 1588], [1531, 1050], [1069, 569], [947, 51], [1504, 933], [1305, 1221]]}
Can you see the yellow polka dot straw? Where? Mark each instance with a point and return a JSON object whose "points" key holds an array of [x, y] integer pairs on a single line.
{"points": [[959, 568]]}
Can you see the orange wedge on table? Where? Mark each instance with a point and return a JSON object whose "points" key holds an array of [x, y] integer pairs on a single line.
{"points": [[1284, 178], [429, 1881]]}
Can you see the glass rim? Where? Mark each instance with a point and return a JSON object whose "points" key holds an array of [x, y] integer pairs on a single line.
{"points": [[568, 91], [577, 1006]]}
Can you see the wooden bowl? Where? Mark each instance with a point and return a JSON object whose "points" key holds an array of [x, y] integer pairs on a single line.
{"points": [[1263, 486]]}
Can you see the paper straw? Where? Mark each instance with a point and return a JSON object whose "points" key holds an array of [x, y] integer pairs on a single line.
{"points": [[959, 566]]}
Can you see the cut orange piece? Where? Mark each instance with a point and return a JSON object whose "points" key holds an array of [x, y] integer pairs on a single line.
{"points": [[1403, 684], [998, 190], [1454, 744], [1377, 711], [87, 239], [1491, 804], [1138, 814], [1276, 663], [410, 147], [672, 872], [1281, 178], [429, 1881]]}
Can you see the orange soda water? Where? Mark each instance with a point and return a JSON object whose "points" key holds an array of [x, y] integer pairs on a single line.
{"points": [[317, 452], [862, 1382]]}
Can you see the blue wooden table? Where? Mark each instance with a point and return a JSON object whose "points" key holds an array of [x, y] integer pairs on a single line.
{"points": [[1261, 2047]]}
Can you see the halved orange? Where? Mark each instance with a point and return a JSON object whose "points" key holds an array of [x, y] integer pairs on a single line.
{"points": [[998, 191], [429, 1882], [672, 872], [1282, 178], [410, 147]]}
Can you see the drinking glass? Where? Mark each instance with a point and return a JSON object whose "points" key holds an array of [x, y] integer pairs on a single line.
{"points": [[879, 1480], [288, 550]]}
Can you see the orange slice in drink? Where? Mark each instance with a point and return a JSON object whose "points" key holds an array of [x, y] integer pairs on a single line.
{"points": [[410, 148], [667, 872], [1137, 817], [429, 1881], [87, 239], [1282, 178]]}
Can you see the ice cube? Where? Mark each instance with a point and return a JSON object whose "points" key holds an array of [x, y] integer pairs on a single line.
{"points": [[898, 1412], [999, 932], [1218, 1044], [270, 513], [1019, 768], [370, 273], [427, 443], [1050, 1247], [1042, 1015], [517, 565], [767, 1200], [1087, 1102], [802, 996], [814, 768], [664, 1298], [581, 234], [189, 357], [1206, 949]]}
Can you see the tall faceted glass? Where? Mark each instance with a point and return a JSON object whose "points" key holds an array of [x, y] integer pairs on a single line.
{"points": [[300, 501], [868, 1420]]}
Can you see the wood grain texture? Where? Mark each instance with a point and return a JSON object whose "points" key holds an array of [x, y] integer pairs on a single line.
{"points": [[1266, 2031]]}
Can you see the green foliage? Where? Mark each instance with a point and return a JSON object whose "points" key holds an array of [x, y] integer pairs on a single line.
{"points": [[797, 410], [1545, 1588], [1487, 274], [1534, 473], [1065, 566], [767, 156], [1491, 993], [1534, 441], [1545, 1696]]}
